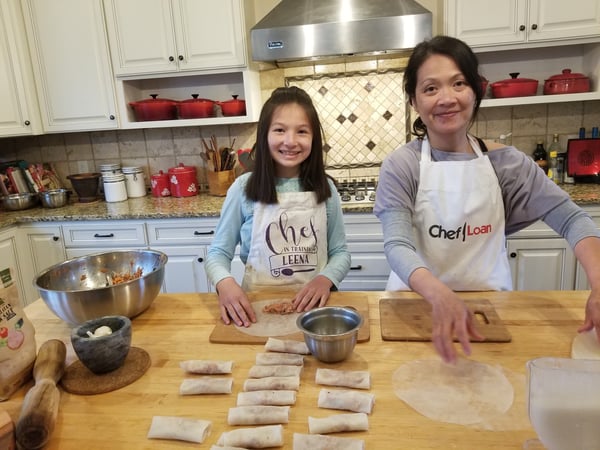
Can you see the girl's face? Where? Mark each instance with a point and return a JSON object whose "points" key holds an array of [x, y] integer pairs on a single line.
{"points": [[290, 139], [444, 100]]}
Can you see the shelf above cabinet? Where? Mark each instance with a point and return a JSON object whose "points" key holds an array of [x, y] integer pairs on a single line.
{"points": [[539, 99]]}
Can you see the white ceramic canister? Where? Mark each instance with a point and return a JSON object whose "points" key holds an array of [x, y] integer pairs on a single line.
{"points": [[114, 187], [110, 169], [134, 181]]}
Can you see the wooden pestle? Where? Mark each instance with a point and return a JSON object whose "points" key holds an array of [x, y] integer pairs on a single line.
{"points": [[40, 405]]}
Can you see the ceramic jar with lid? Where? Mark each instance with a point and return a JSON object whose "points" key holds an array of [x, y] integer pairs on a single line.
{"points": [[114, 188], [134, 182], [183, 181], [159, 182]]}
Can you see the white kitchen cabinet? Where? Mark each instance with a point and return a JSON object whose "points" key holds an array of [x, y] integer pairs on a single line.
{"points": [[581, 280], [162, 36], [521, 23], [369, 269], [40, 246], [541, 264], [9, 258], [19, 111], [71, 62], [84, 238]]}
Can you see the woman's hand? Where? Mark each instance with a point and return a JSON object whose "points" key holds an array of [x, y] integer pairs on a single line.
{"points": [[450, 316], [592, 314], [234, 303], [314, 293]]}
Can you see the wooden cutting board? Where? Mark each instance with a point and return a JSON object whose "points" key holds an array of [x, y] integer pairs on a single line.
{"points": [[410, 320], [229, 334]]}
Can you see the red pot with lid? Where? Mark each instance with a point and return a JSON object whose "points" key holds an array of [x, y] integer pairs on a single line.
{"points": [[233, 107], [183, 181], [196, 108], [154, 108], [566, 82], [514, 87], [160, 184]]}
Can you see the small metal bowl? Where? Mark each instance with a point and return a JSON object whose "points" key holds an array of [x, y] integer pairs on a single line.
{"points": [[54, 198], [330, 332], [18, 202]]}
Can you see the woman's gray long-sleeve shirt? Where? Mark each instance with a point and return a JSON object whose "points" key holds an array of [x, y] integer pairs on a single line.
{"points": [[528, 195]]}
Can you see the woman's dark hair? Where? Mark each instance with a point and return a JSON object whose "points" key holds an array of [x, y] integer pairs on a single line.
{"points": [[453, 48], [261, 183]]}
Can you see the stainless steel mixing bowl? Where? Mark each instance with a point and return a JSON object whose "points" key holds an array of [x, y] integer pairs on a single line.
{"points": [[330, 332], [82, 288], [18, 202], [54, 198]]}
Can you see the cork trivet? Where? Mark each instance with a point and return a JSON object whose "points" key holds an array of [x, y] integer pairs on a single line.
{"points": [[78, 379]]}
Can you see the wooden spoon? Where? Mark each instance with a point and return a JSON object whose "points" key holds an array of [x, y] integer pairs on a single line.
{"points": [[40, 405]]}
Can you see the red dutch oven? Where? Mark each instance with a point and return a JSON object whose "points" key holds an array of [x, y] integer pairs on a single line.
{"points": [[567, 83], [196, 108], [514, 87], [233, 107], [154, 109], [183, 181]]}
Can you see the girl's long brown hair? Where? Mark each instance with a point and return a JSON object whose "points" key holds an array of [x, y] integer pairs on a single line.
{"points": [[261, 183]]}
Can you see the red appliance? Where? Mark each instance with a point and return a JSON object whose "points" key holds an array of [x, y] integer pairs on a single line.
{"points": [[583, 160]]}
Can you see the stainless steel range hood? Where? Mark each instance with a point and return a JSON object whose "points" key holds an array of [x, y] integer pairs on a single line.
{"points": [[315, 29]]}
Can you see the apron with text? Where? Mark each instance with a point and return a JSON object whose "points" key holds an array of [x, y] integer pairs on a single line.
{"points": [[289, 242], [459, 224]]}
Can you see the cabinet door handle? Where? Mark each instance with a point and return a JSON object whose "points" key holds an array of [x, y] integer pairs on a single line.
{"points": [[534, 26], [97, 235], [55, 238], [200, 260], [521, 27], [111, 117], [27, 123], [171, 59], [180, 57], [359, 267], [513, 255], [204, 233]]}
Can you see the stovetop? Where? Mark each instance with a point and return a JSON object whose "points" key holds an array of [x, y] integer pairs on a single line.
{"points": [[357, 190]]}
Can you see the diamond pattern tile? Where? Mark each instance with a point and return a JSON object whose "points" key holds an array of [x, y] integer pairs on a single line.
{"points": [[363, 115]]}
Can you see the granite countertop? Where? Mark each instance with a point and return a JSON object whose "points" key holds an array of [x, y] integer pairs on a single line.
{"points": [[202, 205]]}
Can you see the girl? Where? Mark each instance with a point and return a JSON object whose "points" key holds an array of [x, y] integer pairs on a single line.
{"points": [[285, 214]]}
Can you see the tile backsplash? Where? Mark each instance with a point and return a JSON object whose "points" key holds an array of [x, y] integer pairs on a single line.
{"points": [[361, 106]]}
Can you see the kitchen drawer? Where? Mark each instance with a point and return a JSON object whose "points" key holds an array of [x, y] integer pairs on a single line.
{"points": [[362, 227], [178, 232], [105, 234]]}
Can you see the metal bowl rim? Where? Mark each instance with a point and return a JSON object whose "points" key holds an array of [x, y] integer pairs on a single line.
{"points": [[324, 310]]}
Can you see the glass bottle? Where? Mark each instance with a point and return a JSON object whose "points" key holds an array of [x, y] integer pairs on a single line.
{"points": [[540, 156], [555, 165]]}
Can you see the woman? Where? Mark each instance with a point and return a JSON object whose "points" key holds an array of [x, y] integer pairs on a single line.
{"points": [[446, 200], [285, 214]]}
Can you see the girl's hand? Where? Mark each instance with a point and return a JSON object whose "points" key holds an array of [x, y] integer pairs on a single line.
{"points": [[234, 303], [314, 293]]}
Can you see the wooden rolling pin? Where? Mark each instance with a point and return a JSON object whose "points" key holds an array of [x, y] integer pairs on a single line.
{"points": [[40, 405]]}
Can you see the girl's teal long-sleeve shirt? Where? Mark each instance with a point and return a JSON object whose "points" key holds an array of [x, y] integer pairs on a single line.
{"points": [[235, 227]]}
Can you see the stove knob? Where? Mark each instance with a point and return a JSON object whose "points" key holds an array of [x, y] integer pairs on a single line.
{"points": [[360, 195], [345, 196], [372, 196]]}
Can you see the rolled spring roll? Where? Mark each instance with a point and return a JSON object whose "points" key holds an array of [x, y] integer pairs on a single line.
{"points": [[274, 371], [286, 346], [271, 397], [338, 423], [179, 428], [207, 367], [206, 385], [279, 359], [258, 415], [272, 384], [359, 379], [255, 437], [218, 447], [347, 400], [320, 442]]}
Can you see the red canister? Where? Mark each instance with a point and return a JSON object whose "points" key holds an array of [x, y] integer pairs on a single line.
{"points": [[160, 184], [183, 181]]}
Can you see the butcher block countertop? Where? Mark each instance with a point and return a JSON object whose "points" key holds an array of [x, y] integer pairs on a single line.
{"points": [[177, 327]]}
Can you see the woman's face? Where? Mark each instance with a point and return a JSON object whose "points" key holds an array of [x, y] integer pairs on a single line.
{"points": [[444, 101], [290, 139]]}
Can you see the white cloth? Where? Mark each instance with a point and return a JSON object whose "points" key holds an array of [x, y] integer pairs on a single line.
{"points": [[289, 242], [459, 223]]}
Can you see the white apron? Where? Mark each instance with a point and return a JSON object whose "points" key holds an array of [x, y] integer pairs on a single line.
{"points": [[289, 242], [459, 224]]}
